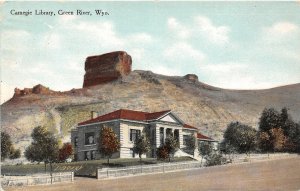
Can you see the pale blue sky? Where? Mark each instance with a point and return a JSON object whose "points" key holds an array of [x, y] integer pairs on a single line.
{"points": [[238, 45]]}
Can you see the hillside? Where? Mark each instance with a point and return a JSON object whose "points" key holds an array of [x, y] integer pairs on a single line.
{"points": [[206, 107]]}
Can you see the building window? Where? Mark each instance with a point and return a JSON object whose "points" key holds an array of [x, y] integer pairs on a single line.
{"points": [[176, 135], [134, 134], [169, 132], [90, 155], [90, 138], [161, 135], [153, 136], [76, 142], [185, 139], [87, 155], [93, 155]]}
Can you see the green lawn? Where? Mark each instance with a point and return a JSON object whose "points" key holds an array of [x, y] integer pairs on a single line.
{"points": [[81, 168]]}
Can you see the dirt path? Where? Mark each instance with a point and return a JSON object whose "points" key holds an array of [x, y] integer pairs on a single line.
{"points": [[281, 174]]}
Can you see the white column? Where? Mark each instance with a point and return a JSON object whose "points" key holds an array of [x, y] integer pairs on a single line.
{"points": [[196, 151], [165, 134]]}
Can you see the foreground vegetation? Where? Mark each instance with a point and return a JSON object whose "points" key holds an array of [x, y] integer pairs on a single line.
{"points": [[81, 168], [277, 132]]}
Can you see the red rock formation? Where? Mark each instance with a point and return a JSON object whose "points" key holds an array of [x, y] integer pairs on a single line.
{"points": [[38, 89], [106, 67], [191, 77]]}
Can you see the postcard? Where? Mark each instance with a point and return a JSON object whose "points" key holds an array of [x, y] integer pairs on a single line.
{"points": [[151, 95]]}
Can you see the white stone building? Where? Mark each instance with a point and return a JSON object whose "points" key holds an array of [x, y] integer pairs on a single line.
{"points": [[128, 125]]}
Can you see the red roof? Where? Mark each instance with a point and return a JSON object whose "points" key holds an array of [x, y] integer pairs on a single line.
{"points": [[200, 136], [126, 114], [155, 115], [189, 127]]}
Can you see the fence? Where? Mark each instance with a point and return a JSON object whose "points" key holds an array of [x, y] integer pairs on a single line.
{"points": [[258, 157], [37, 179], [145, 169]]}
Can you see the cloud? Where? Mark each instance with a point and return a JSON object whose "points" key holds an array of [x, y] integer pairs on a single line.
{"points": [[235, 75], [11, 38], [183, 51], [100, 32], [201, 27], [140, 38], [282, 28], [228, 67], [179, 29], [51, 40], [6, 92], [281, 32], [215, 34], [279, 44], [160, 69]]}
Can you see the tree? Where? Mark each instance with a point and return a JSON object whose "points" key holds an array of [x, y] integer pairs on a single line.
{"points": [[172, 145], [294, 139], [44, 147], [141, 146], [278, 139], [6, 145], [15, 154], [278, 131], [270, 118], [65, 152], [240, 136], [265, 143], [205, 149], [32, 153], [190, 144], [108, 142], [228, 149]]}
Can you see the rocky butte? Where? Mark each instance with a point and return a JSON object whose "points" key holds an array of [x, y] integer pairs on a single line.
{"points": [[106, 67], [38, 89]]}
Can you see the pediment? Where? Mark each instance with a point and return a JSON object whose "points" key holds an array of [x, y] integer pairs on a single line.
{"points": [[170, 119]]}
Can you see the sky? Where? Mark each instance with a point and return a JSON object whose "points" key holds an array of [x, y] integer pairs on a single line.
{"points": [[235, 45]]}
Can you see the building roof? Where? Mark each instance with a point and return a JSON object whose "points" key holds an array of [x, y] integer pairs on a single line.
{"points": [[126, 114], [203, 137], [156, 115], [189, 127]]}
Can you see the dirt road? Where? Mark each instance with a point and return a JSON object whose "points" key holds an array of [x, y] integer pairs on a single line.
{"points": [[280, 174]]}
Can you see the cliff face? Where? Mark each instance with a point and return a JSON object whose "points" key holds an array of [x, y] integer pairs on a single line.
{"points": [[106, 67]]}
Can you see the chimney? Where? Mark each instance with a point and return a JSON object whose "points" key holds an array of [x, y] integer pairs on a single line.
{"points": [[94, 114]]}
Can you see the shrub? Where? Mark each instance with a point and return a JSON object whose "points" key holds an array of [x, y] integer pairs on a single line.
{"points": [[240, 136], [215, 159], [65, 152], [162, 152]]}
